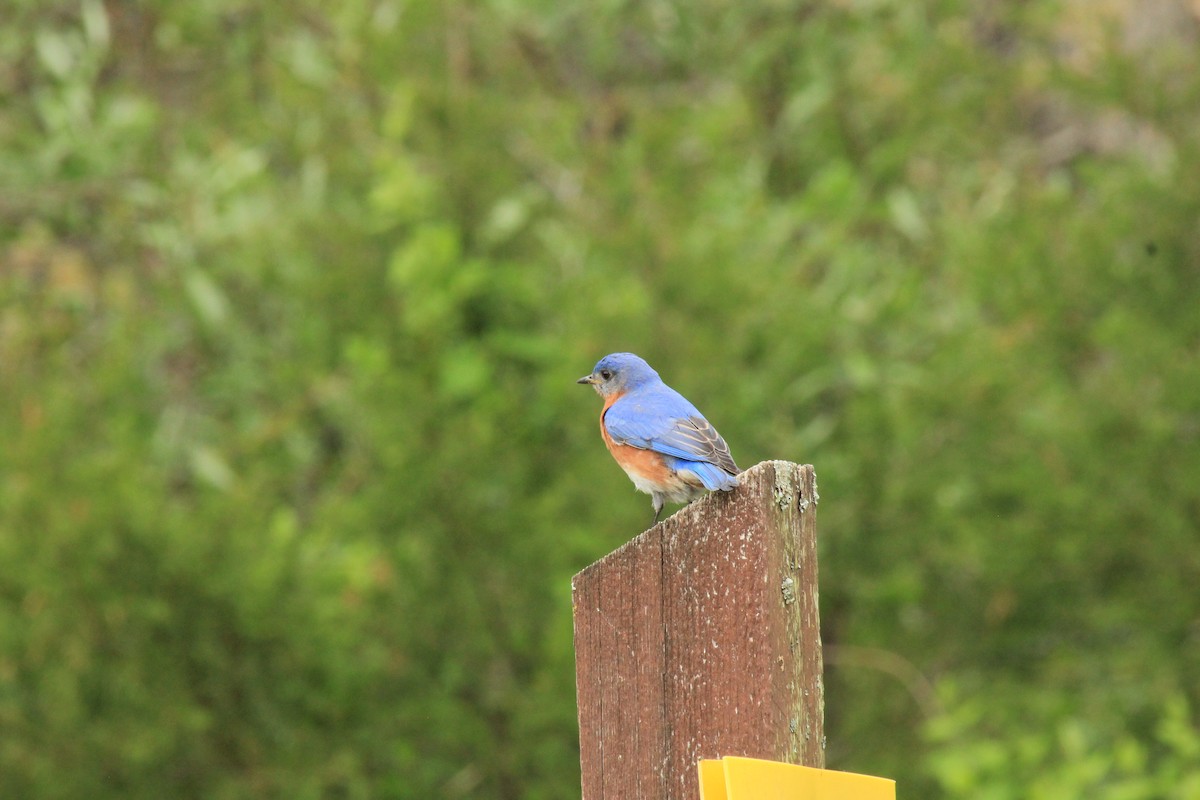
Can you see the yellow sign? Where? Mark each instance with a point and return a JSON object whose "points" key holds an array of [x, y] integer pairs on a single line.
{"points": [[732, 778]]}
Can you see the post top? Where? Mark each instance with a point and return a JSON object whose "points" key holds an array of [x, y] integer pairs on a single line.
{"points": [[786, 479]]}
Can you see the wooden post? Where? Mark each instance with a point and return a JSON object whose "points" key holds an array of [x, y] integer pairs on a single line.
{"points": [[700, 639]]}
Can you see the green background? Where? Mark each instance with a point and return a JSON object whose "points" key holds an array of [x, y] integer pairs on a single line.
{"points": [[294, 473]]}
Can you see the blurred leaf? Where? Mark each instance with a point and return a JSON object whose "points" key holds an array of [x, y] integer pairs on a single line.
{"points": [[207, 298]]}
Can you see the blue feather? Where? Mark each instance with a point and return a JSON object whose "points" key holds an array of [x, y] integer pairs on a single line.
{"points": [[712, 476], [656, 417]]}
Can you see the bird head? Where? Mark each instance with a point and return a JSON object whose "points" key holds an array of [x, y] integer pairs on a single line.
{"points": [[618, 373]]}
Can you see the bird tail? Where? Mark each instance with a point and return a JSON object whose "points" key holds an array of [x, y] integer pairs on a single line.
{"points": [[712, 476]]}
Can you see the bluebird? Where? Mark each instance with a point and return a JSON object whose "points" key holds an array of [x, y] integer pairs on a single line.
{"points": [[666, 447]]}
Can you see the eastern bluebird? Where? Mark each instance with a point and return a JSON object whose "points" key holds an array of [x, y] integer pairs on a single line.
{"points": [[666, 447]]}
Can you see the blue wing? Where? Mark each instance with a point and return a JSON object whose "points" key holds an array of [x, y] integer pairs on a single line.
{"points": [[662, 420]]}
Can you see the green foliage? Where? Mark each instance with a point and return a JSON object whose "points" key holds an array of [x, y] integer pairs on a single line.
{"points": [[292, 298], [1062, 755]]}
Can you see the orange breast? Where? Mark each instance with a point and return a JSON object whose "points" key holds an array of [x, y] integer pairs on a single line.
{"points": [[608, 401], [645, 464]]}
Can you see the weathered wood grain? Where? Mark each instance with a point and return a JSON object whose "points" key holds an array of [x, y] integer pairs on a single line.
{"points": [[700, 638]]}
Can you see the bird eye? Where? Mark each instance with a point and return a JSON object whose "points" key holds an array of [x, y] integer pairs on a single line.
{"points": [[605, 374]]}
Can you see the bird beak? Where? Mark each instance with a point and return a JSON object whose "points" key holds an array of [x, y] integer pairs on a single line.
{"points": [[587, 379]]}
